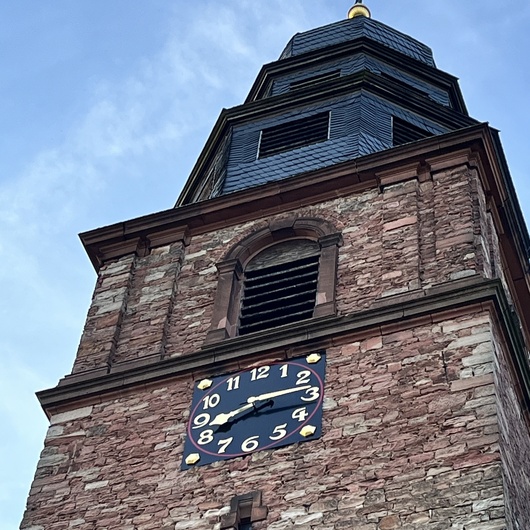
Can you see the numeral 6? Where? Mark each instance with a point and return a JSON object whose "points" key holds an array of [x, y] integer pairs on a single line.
{"points": [[250, 444]]}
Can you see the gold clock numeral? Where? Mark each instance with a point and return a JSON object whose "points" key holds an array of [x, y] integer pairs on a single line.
{"points": [[313, 358], [192, 459], [223, 444], [205, 384], [279, 432]]}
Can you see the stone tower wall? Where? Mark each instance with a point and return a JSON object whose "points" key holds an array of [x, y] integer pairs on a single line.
{"points": [[410, 441], [514, 439], [418, 418], [405, 239]]}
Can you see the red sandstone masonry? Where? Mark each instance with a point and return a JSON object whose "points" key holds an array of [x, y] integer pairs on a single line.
{"points": [[400, 245], [422, 450], [150, 304], [455, 216], [514, 441], [408, 237], [415, 411], [105, 316], [132, 303]]}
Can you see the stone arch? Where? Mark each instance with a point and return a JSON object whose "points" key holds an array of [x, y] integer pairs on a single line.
{"points": [[231, 269]]}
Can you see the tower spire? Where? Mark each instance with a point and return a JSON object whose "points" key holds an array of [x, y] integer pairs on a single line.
{"points": [[359, 10]]}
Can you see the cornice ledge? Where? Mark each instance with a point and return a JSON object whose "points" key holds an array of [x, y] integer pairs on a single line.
{"points": [[330, 182], [311, 334]]}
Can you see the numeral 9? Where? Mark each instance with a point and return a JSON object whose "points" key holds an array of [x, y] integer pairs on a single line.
{"points": [[201, 420]]}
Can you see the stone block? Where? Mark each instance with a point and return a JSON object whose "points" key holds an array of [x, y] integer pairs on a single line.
{"points": [[471, 382], [389, 522]]}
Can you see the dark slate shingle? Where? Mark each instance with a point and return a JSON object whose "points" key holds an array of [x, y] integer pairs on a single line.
{"points": [[361, 124], [349, 30]]}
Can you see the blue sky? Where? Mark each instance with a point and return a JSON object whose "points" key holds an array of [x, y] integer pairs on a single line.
{"points": [[104, 108]]}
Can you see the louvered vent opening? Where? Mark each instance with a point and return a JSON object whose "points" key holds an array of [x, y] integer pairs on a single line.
{"points": [[280, 292], [315, 80], [409, 87], [294, 134], [404, 132]]}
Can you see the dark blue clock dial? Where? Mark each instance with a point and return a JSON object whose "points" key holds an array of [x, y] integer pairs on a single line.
{"points": [[268, 406]]}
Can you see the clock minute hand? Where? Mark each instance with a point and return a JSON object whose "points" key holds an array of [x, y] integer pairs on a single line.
{"points": [[270, 395], [225, 417]]}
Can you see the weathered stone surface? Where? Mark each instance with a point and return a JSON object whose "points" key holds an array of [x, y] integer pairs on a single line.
{"points": [[418, 421], [162, 304], [419, 459], [514, 442], [71, 415]]}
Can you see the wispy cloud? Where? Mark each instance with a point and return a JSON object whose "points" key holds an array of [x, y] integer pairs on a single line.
{"points": [[23, 429]]}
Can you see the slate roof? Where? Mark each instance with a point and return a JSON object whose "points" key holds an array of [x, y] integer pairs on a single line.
{"points": [[357, 63], [374, 88], [361, 124], [348, 30]]}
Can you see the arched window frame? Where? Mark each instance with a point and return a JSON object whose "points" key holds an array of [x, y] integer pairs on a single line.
{"points": [[231, 270]]}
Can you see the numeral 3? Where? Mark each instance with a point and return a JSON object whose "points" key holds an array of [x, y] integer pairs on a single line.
{"points": [[313, 393]]}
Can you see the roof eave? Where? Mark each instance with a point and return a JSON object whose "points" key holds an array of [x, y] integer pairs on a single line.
{"points": [[364, 44], [203, 216], [341, 86]]}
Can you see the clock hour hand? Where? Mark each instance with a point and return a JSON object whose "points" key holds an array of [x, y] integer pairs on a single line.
{"points": [[225, 417], [270, 395]]}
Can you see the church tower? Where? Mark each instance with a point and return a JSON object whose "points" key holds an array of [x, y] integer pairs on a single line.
{"points": [[329, 331]]}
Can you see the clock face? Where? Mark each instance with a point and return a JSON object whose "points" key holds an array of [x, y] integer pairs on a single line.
{"points": [[269, 406]]}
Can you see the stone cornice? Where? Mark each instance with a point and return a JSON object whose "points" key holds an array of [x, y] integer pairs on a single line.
{"points": [[477, 146], [309, 188], [394, 313]]}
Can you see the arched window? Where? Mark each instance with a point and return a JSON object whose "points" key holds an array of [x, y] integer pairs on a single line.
{"points": [[279, 275], [280, 286]]}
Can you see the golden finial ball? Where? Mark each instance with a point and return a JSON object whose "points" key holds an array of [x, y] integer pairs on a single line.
{"points": [[359, 10]]}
